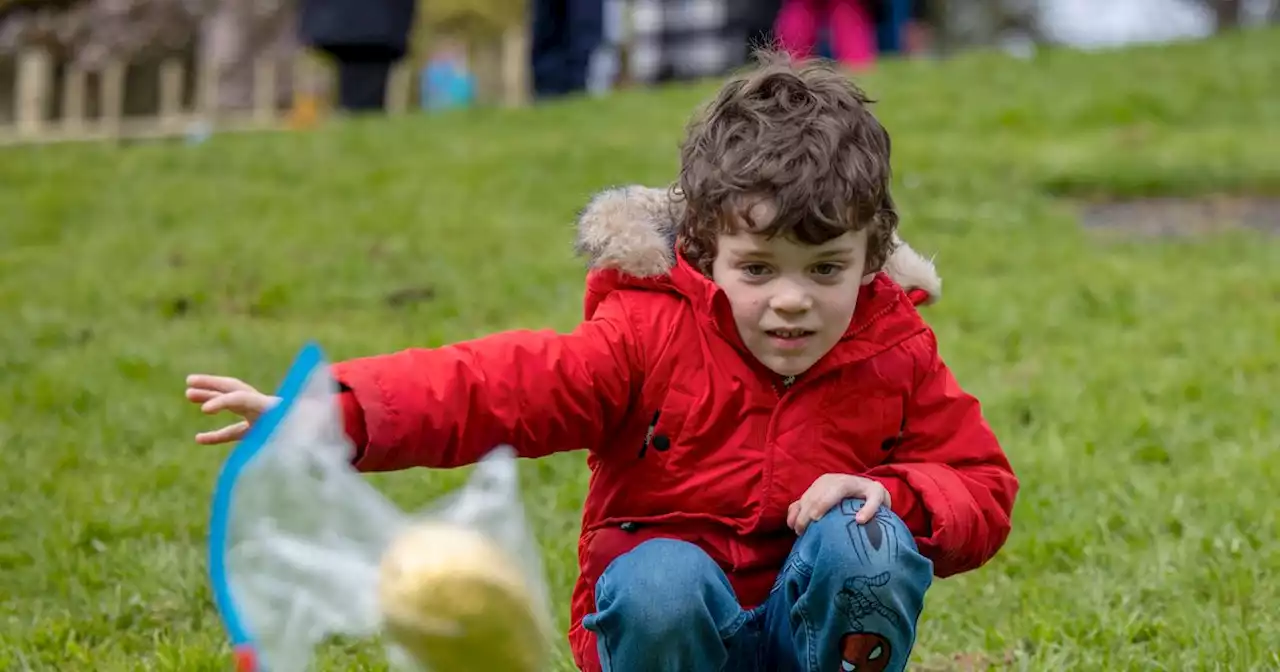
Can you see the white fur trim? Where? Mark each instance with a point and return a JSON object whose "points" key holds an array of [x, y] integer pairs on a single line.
{"points": [[630, 229]]}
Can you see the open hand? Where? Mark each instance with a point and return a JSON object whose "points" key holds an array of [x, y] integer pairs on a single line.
{"points": [[828, 491], [220, 393]]}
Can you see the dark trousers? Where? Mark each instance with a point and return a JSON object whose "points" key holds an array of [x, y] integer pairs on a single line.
{"points": [[757, 18], [565, 35], [362, 85], [363, 71], [892, 24]]}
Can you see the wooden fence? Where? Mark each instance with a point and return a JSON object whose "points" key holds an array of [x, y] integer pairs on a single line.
{"points": [[43, 101]]}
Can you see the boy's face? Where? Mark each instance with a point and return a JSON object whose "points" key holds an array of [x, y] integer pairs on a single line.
{"points": [[791, 302]]}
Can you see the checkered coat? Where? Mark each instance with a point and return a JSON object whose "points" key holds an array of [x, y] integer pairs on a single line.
{"points": [[684, 39]]}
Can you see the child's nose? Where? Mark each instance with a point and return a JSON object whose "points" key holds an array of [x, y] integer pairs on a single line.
{"points": [[791, 300]]}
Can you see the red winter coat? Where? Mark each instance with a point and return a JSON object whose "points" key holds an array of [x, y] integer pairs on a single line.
{"points": [[688, 436]]}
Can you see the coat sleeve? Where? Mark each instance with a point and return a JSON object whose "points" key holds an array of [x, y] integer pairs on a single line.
{"points": [[540, 392], [948, 477]]}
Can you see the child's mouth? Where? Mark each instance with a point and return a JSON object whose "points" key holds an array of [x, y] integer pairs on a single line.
{"points": [[789, 333], [789, 338]]}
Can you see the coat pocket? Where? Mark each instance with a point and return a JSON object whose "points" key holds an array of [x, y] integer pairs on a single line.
{"points": [[864, 430], [666, 429]]}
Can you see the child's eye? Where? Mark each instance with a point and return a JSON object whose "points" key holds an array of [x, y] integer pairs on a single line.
{"points": [[827, 270], [755, 270]]}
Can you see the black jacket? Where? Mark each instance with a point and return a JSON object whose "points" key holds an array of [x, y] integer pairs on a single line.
{"points": [[375, 29]]}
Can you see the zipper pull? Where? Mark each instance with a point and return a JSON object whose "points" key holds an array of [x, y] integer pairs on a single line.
{"points": [[648, 435], [787, 382]]}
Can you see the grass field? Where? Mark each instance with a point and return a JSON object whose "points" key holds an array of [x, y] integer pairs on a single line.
{"points": [[1133, 381]]}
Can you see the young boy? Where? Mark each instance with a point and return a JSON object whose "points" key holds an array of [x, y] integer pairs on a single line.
{"points": [[780, 460]]}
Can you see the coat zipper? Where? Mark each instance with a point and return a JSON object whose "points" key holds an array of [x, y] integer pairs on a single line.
{"points": [[648, 436], [787, 382]]}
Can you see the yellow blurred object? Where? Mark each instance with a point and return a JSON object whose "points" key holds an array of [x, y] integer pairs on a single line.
{"points": [[305, 112], [455, 601], [472, 18]]}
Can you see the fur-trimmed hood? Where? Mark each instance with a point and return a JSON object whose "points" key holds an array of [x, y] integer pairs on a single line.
{"points": [[632, 230]]}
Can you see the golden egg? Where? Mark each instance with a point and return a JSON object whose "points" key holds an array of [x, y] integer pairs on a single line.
{"points": [[455, 601]]}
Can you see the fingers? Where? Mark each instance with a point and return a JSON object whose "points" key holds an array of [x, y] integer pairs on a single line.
{"points": [[199, 395], [216, 394], [875, 498], [827, 492], [869, 508], [224, 393], [811, 507], [799, 513], [225, 435], [201, 381], [245, 403]]}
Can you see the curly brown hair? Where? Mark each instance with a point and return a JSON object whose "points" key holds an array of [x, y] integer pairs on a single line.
{"points": [[798, 132]]}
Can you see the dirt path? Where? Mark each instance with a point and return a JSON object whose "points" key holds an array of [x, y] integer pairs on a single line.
{"points": [[1174, 216]]}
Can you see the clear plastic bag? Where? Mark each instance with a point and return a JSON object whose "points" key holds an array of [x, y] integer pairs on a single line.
{"points": [[302, 548]]}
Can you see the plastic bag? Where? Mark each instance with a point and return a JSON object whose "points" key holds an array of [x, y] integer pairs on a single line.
{"points": [[302, 548]]}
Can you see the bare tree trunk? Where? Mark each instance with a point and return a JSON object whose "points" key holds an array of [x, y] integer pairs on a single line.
{"points": [[939, 17], [993, 20], [1227, 14], [1002, 17]]}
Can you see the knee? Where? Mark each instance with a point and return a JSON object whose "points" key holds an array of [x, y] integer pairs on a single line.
{"points": [[845, 548], [659, 587]]}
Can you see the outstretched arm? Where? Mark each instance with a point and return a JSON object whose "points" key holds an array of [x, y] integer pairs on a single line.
{"points": [[539, 391]]}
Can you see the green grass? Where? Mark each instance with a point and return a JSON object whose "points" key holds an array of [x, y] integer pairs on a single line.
{"points": [[1133, 382]]}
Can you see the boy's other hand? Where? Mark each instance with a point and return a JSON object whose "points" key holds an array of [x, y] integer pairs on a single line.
{"points": [[828, 491], [220, 393]]}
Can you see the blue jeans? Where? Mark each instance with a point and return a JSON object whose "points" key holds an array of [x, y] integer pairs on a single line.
{"points": [[847, 599]]}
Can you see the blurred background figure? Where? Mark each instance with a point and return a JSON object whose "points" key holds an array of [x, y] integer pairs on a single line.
{"points": [[564, 36], [850, 27], [235, 35], [891, 18], [365, 38], [918, 37], [575, 45], [757, 18], [672, 40], [447, 81]]}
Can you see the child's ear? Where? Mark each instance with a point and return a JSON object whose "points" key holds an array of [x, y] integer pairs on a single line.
{"points": [[868, 278]]}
